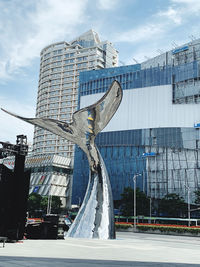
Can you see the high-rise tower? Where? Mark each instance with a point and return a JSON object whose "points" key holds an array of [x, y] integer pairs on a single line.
{"points": [[60, 66]]}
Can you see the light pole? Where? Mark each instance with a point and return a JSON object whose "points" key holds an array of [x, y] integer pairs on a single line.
{"points": [[49, 204], [188, 198], [148, 155], [150, 203], [188, 191], [49, 201], [134, 203]]}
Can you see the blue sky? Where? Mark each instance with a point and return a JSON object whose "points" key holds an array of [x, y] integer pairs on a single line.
{"points": [[137, 28]]}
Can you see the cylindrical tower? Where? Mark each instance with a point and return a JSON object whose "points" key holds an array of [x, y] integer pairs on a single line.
{"points": [[57, 98]]}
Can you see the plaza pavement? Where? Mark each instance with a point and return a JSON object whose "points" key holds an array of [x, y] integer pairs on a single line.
{"points": [[129, 249]]}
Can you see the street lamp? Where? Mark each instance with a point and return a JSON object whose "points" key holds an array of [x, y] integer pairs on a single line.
{"points": [[49, 200], [188, 191], [150, 203], [49, 204], [134, 204]]}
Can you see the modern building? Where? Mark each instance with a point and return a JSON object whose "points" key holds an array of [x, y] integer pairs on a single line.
{"points": [[155, 131], [51, 175], [57, 98]]}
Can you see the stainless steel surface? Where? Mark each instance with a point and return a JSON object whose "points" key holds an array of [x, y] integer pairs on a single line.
{"points": [[86, 124], [95, 218]]}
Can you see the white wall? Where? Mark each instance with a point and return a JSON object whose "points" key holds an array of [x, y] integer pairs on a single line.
{"points": [[148, 107]]}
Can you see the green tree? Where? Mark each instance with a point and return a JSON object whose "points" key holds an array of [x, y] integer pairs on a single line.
{"points": [[197, 196], [55, 204], [172, 205], [37, 205], [33, 204], [127, 201], [142, 202]]}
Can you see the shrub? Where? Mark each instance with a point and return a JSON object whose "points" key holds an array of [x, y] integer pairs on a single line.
{"points": [[162, 228], [166, 229], [123, 226]]}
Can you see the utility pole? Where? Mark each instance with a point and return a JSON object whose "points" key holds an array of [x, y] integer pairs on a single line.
{"points": [[150, 203], [188, 205], [188, 197], [134, 203], [49, 201]]}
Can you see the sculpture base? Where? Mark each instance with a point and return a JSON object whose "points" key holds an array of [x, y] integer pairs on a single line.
{"points": [[95, 218]]}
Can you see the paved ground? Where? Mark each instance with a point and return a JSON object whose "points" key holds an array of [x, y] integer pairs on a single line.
{"points": [[129, 249]]}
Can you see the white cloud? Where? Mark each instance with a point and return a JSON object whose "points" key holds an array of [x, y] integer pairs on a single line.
{"points": [[28, 26], [10, 126], [139, 34], [182, 10], [177, 14], [107, 4], [190, 2], [172, 14]]}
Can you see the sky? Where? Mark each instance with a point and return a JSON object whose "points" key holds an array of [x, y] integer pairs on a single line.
{"points": [[138, 29]]}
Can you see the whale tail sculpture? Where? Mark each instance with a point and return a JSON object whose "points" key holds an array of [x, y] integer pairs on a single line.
{"points": [[95, 218]]}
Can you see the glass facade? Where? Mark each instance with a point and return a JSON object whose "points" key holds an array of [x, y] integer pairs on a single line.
{"points": [[134, 77], [167, 158], [126, 153], [123, 158]]}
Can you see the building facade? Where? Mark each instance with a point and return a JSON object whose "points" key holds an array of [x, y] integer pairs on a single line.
{"points": [[57, 98], [51, 175], [155, 131]]}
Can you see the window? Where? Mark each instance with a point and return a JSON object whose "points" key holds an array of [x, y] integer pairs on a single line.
{"points": [[63, 116], [56, 58], [50, 142], [67, 85], [57, 52], [56, 86], [56, 64], [82, 65], [54, 93], [46, 55], [63, 110], [57, 75], [53, 105], [69, 67], [53, 99], [52, 111], [68, 79], [66, 97], [69, 61], [56, 69], [68, 73], [56, 81]]}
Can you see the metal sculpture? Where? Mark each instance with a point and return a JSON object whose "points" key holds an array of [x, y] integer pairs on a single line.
{"points": [[95, 218]]}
